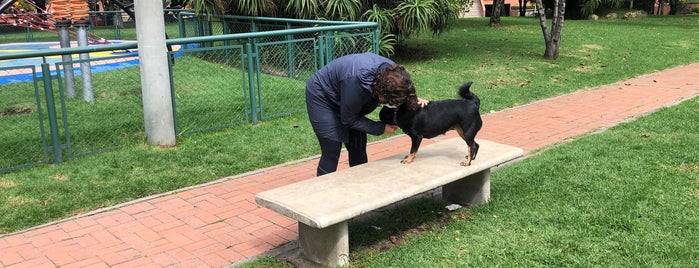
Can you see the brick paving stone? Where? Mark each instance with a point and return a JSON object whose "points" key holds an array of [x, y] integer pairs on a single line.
{"points": [[218, 223]]}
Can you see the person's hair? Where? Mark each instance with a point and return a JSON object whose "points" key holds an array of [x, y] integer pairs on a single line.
{"points": [[395, 86]]}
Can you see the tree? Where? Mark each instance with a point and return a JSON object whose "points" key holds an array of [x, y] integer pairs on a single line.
{"points": [[675, 6], [552, 38], [522, 7], [208, 7], [588, 7], [495, 15], [398, 19]]}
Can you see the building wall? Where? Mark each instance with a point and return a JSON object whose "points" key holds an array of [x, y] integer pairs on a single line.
{"points": [[509, 3]]}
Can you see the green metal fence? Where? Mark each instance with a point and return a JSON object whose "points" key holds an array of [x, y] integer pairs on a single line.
{"points": [[107, 24], [23, 134], [270, 59], [224, 71]]}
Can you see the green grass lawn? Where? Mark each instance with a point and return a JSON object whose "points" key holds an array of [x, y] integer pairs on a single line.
{"points": [[505, 64], [628, 197]]}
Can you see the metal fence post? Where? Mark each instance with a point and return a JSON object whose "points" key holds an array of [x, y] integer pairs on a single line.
{"points": [[51, 109], [116, 21], [321, 51], [251, 80], [181, 25], [375, 40], [29, 34], [173, 96], [329, 46], [290, 55]]}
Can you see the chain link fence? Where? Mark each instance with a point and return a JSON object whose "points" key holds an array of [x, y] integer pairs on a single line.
{"points": [[23, 137], [262, 68], [114, 118], [224, 71], [38, 119]]}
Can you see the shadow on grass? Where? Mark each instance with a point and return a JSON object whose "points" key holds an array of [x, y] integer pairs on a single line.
{"points": [[389, 227]]}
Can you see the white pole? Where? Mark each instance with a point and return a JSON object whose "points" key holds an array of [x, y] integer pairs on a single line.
{"points": [[85, 68], [155, 79], [62, 26]]}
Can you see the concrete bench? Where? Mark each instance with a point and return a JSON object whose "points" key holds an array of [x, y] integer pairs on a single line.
{"points": [[324, 204]]}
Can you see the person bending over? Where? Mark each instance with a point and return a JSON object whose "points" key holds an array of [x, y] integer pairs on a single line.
{"points": [[342, 93]]}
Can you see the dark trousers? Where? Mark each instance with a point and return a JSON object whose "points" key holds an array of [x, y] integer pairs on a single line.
{"points": [[330, 152]]}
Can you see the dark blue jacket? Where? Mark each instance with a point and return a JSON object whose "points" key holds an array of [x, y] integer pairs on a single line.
{"points": [[339, 96]]}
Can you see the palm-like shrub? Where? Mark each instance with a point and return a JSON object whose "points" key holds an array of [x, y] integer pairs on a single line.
{"points": [[302, 9], [252, 7], [384, 17], [208, 7], [588, 7], [342, 9], [398, 19]]}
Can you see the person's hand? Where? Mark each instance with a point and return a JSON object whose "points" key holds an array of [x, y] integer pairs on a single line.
{"points": [[389, 129], [422, 103]]}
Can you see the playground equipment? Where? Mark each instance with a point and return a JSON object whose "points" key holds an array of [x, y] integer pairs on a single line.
{"points": [[33, 14], [65, 13], [75, 12], [28, 14], [11, 13]]}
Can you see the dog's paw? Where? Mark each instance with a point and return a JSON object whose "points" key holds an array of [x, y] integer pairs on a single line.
{"points": [[474, 151], [408, 159], [466, 162]]}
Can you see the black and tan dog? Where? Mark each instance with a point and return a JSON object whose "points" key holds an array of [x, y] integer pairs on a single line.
{"points": [[437, 118]]}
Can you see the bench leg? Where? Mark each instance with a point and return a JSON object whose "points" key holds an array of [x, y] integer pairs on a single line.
{"points": [[328, 246], [472, 190]]}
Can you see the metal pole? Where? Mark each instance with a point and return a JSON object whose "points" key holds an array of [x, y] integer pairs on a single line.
{"points": [[64, 40], [251, 81], [51, 108], [85, 68], [6, 4]]}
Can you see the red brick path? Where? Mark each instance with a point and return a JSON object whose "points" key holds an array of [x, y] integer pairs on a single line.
{"points": [[218, 223]]}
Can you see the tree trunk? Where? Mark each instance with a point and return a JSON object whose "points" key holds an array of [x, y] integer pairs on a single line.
{"points": [[522, 7], [674, 7], [551, 51], [552, 38], [495, 15]]}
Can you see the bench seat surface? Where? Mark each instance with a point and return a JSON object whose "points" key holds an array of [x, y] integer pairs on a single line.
{"points": [[332, 198]]}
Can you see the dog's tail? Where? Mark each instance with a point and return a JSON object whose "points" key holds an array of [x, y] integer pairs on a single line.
{"points": [[465, 92]]}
